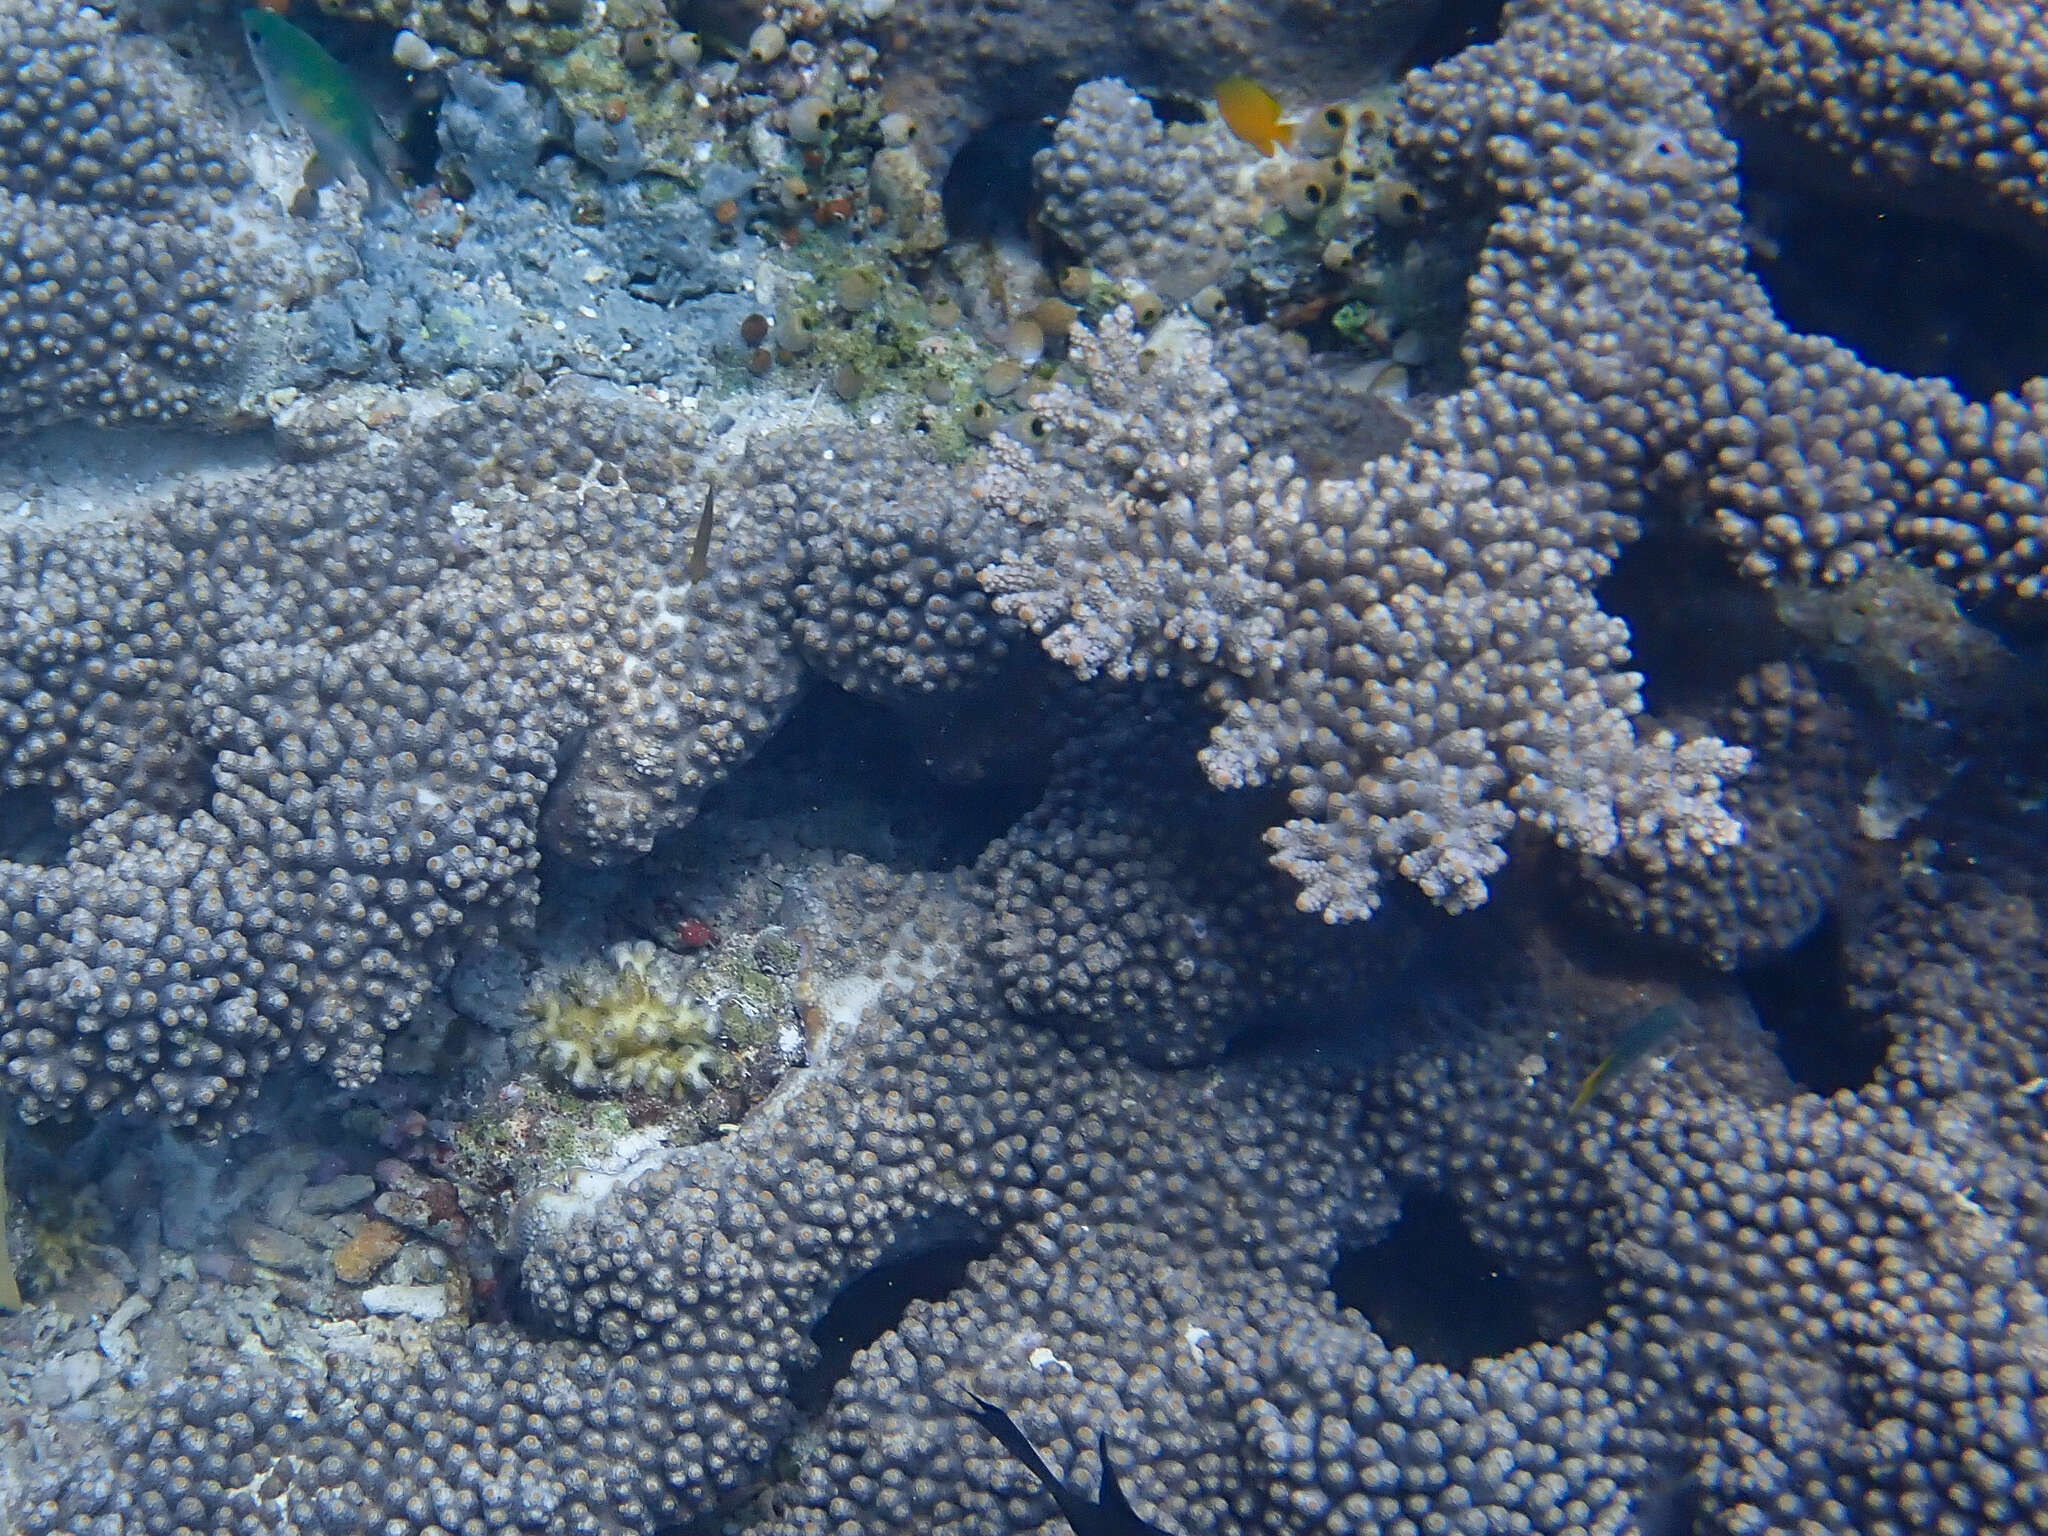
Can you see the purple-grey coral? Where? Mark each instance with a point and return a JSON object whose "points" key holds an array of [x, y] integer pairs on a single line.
{"points": [[1612, 287], [885, 546], [1797, 804], [1939, 107], [1797, 1297], [1306, 405], [1416, 654], [682, 1304], [303, 726], [1796, 1313], [1168, 206], [1108, 922], [1137, 519], [1419, 653], [118, 288]]}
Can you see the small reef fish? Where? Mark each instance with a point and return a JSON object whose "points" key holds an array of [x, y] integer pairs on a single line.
{"points": [[307, 89], [10, 1291], [1252, 112], [1641, 1038], [700, 547], [1111, 1513]]}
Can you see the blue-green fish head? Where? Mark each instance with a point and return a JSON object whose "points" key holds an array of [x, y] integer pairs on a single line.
{"points": [[308, 90]]}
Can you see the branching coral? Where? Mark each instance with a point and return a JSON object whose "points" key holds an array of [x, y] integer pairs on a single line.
{"points": [[1108, 922], [1142, 513], [1806, 1313], [1797, 804], [1416, 652]]}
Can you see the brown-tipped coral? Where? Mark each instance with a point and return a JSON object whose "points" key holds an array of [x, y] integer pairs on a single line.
{"points": [[1762, 895], [1749, 1308], [1108, 923], [1807, 461], [1167, 207], [282, 810]]}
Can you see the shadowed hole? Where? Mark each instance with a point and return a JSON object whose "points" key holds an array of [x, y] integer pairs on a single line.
{"points": [[874, 1302], [863, 774], [1176, 109], [30, 832], [1801, 998], [1429, 1286], [1917, 295], [1695, 626], [988, 192], [1453, 26]]}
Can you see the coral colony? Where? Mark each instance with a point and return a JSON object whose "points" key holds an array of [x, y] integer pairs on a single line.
{"points": [[864, 767]]}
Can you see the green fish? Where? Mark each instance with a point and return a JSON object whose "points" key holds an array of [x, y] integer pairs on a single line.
{"points": [[308, 90], [1637, 1041], [10, 1291]]}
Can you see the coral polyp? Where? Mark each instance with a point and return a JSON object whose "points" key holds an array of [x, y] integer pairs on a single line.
{"points": [[625, 1023]]}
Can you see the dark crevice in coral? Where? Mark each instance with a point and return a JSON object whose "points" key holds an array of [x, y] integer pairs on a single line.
{"points": [[988, 193], [1695, 625], [1176, 109], [1670, 1508], [419, 139], [1919, 295], [1801, 997], [723, 24], [1427, 1285], [30, 832], [874, 1302], [878, 769], [1453, 26]]}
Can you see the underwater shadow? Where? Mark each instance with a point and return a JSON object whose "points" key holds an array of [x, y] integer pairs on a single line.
{"points": [[1801, 997], [1428, 1286], [1912, 293], [30, 831], [873, 1302]]}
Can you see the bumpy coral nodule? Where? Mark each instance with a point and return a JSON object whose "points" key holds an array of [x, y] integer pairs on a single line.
{"points": [[118, 291]]}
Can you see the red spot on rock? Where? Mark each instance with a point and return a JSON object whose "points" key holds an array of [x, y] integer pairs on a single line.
{"points": [[692, 934]]}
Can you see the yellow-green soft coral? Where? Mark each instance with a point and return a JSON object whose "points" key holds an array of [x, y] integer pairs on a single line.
{"points": [[625, 1023]]}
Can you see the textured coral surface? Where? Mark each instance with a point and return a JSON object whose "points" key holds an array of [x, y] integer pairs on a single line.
{"points": [[1377, 861]]}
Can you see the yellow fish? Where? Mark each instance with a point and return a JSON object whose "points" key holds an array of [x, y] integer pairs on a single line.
{"points": [[1252, 112]]}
